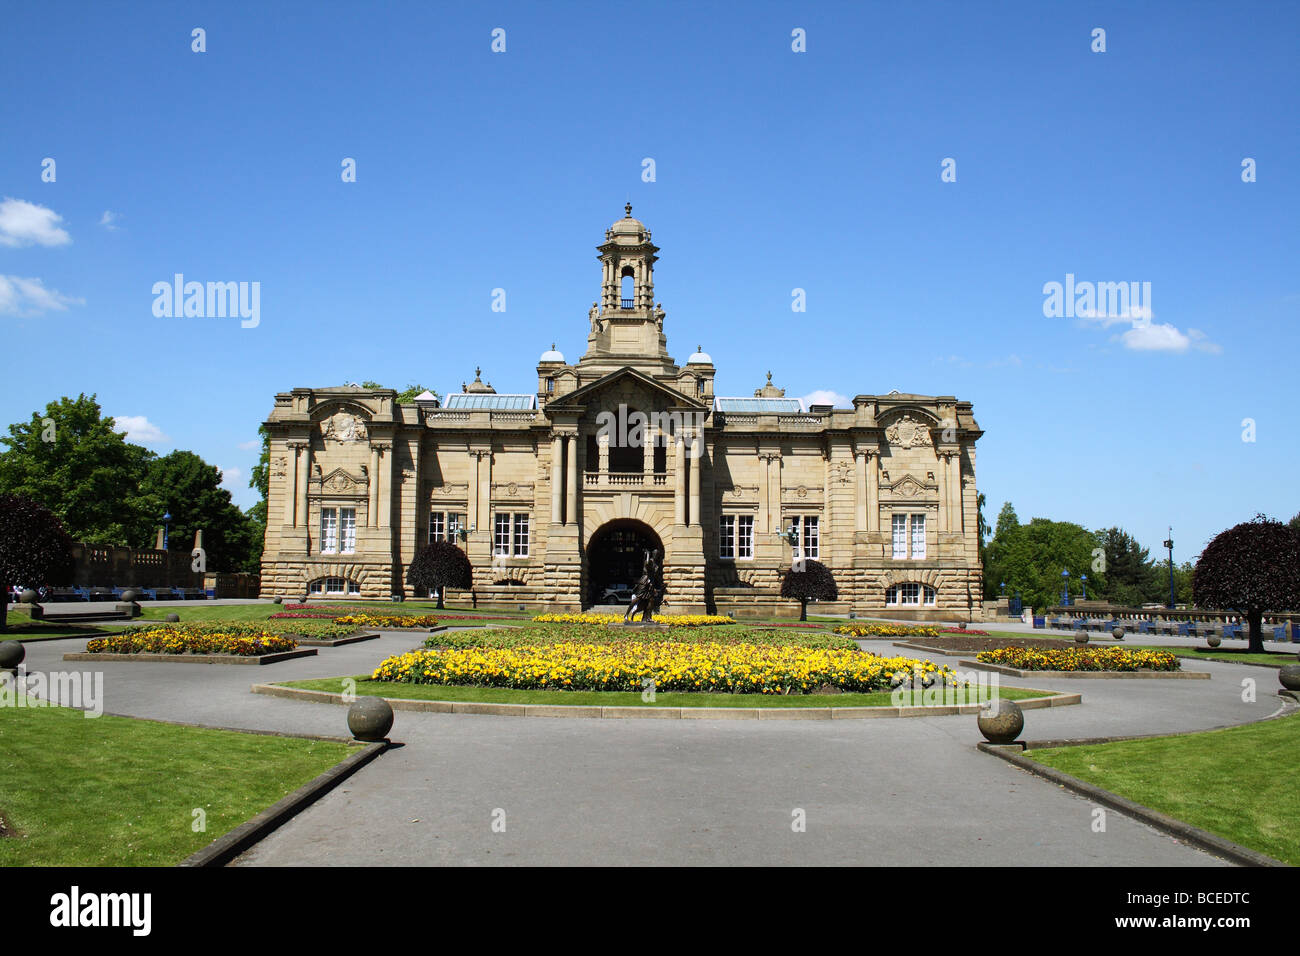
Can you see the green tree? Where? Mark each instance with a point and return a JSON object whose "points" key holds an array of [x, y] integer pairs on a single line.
{"points": [[259, 481], [75, 462], [438, 566], [1129, 577], [809, 581], [190, 489], [406, 396], [1030, 559], [1252, 567], [34, 549]]}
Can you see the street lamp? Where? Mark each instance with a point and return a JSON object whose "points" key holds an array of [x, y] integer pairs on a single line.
{"points": [[1169, 543], [1083, 586], [1065, 588], [167, 520], [1004, 588]]}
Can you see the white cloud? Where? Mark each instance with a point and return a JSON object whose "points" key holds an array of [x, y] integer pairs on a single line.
{"points": [[250, 445], [825, 396], [1163, 337], [229, 476], [24, 224], [138, 428], [19, 296], [107, 220]]}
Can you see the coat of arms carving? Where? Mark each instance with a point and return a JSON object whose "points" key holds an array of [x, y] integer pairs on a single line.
{"points": [[907, 433], [343, 427]]}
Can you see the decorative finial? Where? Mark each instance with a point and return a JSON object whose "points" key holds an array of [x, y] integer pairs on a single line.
{"points": [[769, 378], [699, 348], [478, 373], [552, 346], [628, 209]]}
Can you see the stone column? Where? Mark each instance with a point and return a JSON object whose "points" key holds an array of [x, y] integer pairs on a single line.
{"points": [[291, 488], [942, 474], [485, 483], [372, 493], [679, 477], [602, 462], [860, 489], [873, 490], [647, 456], [958, 519], [557, 477], [300, 492], [697, 452], [571, 508], [385, 484]]}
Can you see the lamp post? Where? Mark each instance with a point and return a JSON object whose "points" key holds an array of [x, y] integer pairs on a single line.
{"points": [[1083, 587], [1065, 588], [1004, 589], [167, 520], [1169, 543]]}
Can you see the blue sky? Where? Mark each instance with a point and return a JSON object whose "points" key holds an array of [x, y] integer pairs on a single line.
{"points": [[774, 170]]}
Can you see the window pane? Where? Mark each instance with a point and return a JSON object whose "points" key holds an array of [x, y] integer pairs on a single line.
{"points": [[437, 526], [900, 537], [521, 536], [348, 524], [727, 536], [810, 536], [501, 535], [918, 536], [329, 530], [745, 536], [929, 595]]}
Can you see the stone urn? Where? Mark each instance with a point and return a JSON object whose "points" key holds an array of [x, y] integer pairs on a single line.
{"points": [[1117, 632], [1001, 721], [1081, 636], [12, 653], [1289, 676], [1214, 640], [370, 718]]}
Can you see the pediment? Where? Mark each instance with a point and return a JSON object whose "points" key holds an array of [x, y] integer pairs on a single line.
{"points": [[626, 380], [909, 486], [342, 482]]}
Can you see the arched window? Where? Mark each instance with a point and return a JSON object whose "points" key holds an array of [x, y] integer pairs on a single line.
{"points": [[628, 290], [910, 594], [334, 586]]}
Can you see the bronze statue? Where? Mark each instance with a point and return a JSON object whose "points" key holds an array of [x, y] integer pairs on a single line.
{"points": [[648, 593]]}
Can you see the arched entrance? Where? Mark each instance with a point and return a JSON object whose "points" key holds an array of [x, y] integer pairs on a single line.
{"points": [[615, 555]]}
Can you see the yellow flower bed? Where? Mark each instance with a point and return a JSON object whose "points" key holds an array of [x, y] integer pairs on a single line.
{"points": [[887, 630], [672, 620], [1081, 659], [624, 666], [241, 640], [388, 620]]}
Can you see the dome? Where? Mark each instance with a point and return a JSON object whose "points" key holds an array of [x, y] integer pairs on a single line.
{"points": [[700, 357], [550, 355], [627, 226]]}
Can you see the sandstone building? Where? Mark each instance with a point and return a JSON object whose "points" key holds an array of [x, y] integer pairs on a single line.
{"points": [[554, 494]]}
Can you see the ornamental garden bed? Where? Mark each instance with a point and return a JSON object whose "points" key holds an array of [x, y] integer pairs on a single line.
{"points": [[505, 636], [1107, 662], [867, 629], [672, 620], [961, 644], [194, 644], [499, 701]]}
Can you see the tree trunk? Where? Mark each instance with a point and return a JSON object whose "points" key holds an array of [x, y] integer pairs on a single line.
{"points": [[4, 607], [803, 610], [440, 593], [1256, 632]]}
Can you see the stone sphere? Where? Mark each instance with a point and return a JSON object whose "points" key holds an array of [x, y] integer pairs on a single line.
{"points": [[1081, 636], [370, 718], [1001, 722], [1214, 640], [172, 618], [1117, 632], [277, 600], [1289, 676], [130, 595], [28, 597], [12, 654]]}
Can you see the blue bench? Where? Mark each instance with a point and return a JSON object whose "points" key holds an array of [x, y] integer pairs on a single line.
{"points": [[1040, 623]]}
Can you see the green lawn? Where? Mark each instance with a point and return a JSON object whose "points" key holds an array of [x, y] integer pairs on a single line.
{"points": [[506, 695], [26, 630], [113, 791], [1237, 783], [1267, 659]]}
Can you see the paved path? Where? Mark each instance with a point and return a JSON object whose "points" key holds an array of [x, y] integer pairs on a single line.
{"points": [[912, 791]]}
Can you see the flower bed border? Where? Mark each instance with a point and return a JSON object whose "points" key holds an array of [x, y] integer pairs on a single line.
{"points": [[661, 713], [304, 641], [1144, 674], [272, 658]]}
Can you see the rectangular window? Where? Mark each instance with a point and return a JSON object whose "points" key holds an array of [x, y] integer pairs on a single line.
{"points": [[727, 536], [455, 521], [521, 536], [437, 527], [501, 535], [348, 529], [811, 537], [900, 537], [744, 536], [909, 593], [918, 536], [329, 531]]}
